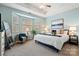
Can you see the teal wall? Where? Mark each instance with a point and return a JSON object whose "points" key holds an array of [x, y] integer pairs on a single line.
{"points": [[70, 18], [6, 15]]}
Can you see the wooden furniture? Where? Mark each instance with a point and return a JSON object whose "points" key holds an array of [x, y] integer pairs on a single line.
{"points": [[73, 39]]}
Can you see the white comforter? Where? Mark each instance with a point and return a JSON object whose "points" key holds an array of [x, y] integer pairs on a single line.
{"points": [[55, 41]]}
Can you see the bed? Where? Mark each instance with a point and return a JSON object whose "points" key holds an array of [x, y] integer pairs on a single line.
{"points": [[56, 41]]}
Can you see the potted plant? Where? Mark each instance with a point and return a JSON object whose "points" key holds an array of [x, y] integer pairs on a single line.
{"points": [[33, 32]]}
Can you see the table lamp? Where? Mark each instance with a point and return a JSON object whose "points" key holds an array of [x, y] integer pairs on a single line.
{"points": [[72, 30]]}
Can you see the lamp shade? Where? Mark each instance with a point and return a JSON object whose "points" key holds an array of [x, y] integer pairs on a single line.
{"points": [[73, 28]]}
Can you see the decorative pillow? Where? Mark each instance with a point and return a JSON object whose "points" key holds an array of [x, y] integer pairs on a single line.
{"points": [[53, 32], [66, 32]]}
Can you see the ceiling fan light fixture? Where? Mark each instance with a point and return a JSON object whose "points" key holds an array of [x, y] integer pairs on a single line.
{"points": [[48, 6], [42, 7]]}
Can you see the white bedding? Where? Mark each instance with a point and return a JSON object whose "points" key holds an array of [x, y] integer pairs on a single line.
{"points": [[55, 41]]}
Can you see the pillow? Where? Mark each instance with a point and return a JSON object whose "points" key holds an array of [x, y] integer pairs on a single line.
{"points": [[61, 35], [57, 31], [53, 32], [65, 32]]}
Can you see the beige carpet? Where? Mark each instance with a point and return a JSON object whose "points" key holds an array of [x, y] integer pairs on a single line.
{"points": [[30, 48]]}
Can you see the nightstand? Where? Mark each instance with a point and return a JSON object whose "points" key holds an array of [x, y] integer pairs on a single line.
{"points": [[73, 39]]}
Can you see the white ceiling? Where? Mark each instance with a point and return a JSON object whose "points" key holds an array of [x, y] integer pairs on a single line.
{"points": [[55, 8], [61, 7], [23, 8], [40, 4]]}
